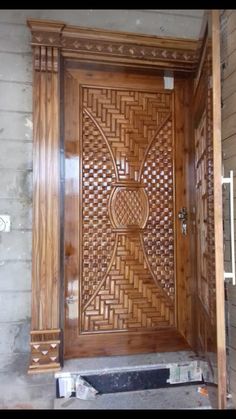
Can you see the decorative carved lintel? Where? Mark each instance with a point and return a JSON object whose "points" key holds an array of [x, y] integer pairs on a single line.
{"points": [[107, 46], [129, 50], [46, 58], [46, 32], [45, 350], [46, 40]]}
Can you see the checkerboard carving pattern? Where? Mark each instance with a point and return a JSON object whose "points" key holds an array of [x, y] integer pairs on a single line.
{"points": [[126, 284], [159, 233]]}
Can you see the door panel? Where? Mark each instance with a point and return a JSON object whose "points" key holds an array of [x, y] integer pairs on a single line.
{"points": [[209, 232], [119, 214]]}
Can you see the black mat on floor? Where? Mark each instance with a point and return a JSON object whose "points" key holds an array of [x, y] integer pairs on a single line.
{"points": [[131, 380]]}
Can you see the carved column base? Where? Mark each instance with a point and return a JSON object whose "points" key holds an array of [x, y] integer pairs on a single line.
{"points": [[45, 346]]}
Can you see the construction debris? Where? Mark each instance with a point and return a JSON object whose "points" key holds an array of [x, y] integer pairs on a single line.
{"points": [[84, 390]]}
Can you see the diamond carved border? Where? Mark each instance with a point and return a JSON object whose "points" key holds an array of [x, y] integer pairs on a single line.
{"points": [[45, 351]]}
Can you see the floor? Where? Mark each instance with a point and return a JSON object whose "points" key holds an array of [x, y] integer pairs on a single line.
{"points": [[186, 397], [21, 391], [181, 397]]}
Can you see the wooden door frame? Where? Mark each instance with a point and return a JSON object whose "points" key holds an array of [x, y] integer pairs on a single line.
{"points": [[211, 28], [52, 42]]}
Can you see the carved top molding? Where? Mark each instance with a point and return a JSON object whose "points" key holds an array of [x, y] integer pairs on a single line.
{"points": [[116, 47]]}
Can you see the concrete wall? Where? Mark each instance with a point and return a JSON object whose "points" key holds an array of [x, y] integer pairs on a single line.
{"points": [[228, 60], [16, 388]]}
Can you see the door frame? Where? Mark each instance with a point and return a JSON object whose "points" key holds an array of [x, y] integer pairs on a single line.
{"points": [[210, 33], [52, 42]]}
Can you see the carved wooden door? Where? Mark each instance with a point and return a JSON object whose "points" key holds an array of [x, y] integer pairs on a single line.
{"points": [[209, 233], [120, 237]]}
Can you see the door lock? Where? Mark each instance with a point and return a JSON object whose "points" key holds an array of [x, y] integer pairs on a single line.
{"points": [[183, 217]]}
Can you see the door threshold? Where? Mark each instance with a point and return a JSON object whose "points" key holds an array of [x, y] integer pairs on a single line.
{"points": [[129, 373], [126, 362]]}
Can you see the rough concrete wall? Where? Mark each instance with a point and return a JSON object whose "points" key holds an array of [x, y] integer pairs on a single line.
{"points": [[228, 62], [16, 388], [174, 23], [16, 176]]}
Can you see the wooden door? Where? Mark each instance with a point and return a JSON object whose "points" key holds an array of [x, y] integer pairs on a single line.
{"points": [[209, 309], [120, 235]]}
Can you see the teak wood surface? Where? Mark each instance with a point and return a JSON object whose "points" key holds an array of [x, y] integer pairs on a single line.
{"points": [[121, 283], [112, 271], [210, 321]]}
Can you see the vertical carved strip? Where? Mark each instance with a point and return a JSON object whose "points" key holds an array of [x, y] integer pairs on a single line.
{"points": [[45, 335]]}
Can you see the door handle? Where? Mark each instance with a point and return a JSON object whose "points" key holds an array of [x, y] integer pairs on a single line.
{"points": [[230, 180], [183, 217]]}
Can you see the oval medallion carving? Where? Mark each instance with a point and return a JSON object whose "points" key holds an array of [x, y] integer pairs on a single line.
{"points": [[128, 207]]}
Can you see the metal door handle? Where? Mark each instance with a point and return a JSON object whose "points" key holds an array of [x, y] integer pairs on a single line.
{"points": [[230, 180], [183, 216]]}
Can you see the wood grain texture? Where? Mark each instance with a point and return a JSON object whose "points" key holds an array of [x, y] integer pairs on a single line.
{"points": [[124, 254], [218, 212], [45, 345], [182, 200], [205, 245], [209, 231], [192, 219], [46, 210], [107, 46], [160, 340], [72, 204], [129, 156]]}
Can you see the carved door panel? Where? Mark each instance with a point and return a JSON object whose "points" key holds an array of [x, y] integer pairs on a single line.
{"points": [[120, 236], [209, 235]]}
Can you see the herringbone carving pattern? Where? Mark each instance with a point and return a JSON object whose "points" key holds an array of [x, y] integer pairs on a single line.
{"points": [[98, 238], [127, 275], [129, 120], [128, 298], [159, 233]]}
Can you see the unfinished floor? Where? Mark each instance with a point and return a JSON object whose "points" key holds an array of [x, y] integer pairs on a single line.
{"points": [[186, 397], [38, 391], [176, 397]]}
